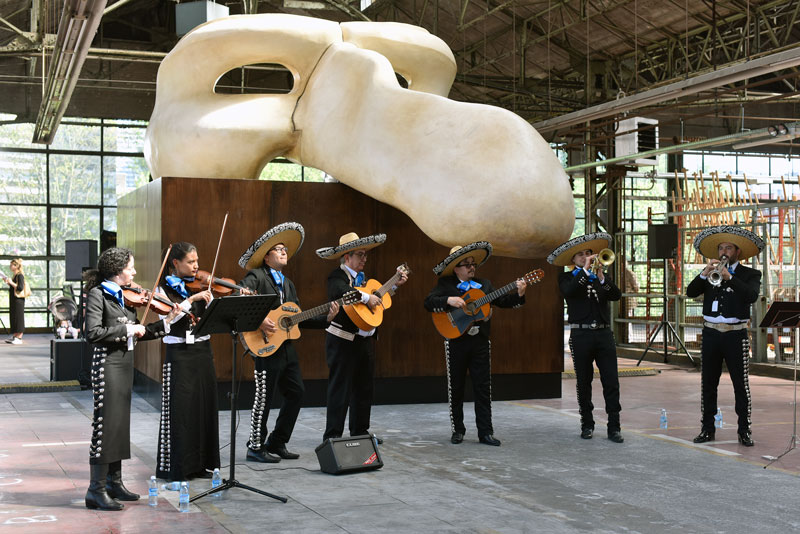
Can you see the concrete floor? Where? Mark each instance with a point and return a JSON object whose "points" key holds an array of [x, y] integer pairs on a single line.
{"points": [[542, 479]]}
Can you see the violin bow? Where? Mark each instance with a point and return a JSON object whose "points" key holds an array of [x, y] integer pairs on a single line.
{"points": [[153, 292], [219, 245]]}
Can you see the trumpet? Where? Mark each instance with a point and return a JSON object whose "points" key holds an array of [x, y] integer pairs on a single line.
{"points": [[604, 258], [715, 277]]}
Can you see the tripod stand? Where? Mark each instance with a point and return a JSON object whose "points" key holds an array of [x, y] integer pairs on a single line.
{"points": [[785, 315], [228, 314], [664, 326]]}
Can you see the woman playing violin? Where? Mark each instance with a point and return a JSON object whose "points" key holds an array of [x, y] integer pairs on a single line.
{"points": [[188, 442], [112, 327]]}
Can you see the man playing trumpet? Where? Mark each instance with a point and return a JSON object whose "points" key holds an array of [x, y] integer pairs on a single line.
{"points": [[728, 289], [588, 290]]}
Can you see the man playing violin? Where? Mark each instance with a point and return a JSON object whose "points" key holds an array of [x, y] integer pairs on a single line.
{"points": [[266, 259], [350, 351], [588, 290], [472, 351], [188, 441]]}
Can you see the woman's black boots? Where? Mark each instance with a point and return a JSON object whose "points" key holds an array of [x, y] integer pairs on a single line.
{"points": [[97, 498], [114, 486]]}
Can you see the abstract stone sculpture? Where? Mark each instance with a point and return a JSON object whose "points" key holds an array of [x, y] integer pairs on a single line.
{"points": [[463, 172]]}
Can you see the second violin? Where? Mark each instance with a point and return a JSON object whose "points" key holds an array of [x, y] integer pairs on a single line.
{"points": [[221, 287]]}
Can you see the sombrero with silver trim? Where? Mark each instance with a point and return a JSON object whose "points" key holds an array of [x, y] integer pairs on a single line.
{"points": [[291, 234], [562, 255], [707, 242], [348, 242], [479, 250]]}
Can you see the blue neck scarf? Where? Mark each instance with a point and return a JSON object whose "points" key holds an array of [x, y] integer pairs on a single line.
{"points": [[177, 283], [277, 277], [592, 276], [469, 284], [359, 280], [113, 289]]}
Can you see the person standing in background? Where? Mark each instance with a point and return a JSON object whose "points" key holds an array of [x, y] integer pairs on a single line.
{"points": [[16, 301]]}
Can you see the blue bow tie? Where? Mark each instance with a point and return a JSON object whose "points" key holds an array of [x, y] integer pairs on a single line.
{"points": [[277, 277], [114, 290], [359, 280], [178, 284], [592, 276], [469, 284]]}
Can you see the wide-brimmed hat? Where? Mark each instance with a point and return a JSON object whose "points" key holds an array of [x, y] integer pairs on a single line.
{"points": [[479, 250], [349, 242], [707, 242], [562, 255], [291, 234]]}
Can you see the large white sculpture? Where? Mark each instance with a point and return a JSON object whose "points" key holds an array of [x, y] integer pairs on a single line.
{"points": [[463, 172]]}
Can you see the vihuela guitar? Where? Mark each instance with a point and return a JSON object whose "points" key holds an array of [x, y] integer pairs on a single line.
{"points": [[455, 322], [367, 318], [287, 317]]}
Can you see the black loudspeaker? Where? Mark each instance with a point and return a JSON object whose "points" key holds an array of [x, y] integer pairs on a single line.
{"points": [[348, 455], [69, 359], [662, 241], [80, 254]]}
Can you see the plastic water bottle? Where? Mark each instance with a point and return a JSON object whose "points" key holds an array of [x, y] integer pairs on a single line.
{"points": [[183, 499], [172, 486], [152, 492], [662, 422], [216, 481], [718, 418]]}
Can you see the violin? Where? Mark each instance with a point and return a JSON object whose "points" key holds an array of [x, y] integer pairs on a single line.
{"points": [[136, 296], [222, 287]]}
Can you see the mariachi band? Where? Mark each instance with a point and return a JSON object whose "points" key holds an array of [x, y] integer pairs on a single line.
{"points": [[461, 308]]}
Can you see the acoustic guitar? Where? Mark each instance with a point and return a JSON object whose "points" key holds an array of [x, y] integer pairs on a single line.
{"points": [[287, 317], [455, 322], [367, 318]]}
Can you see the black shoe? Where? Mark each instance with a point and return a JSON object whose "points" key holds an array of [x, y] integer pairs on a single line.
{"points": [[121, 493], [746, 439], [281, 451], [261, 456], [586, 433], [100, 500], [704, 436], [616, 436], [489, 440], [456, 438]]}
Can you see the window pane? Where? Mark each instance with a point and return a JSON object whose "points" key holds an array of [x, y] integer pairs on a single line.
{"points": [[754, 165], [121, 175], [692, 162], [16, 134], [73, 223], [57, 274], [22, 177], [723, 164], [74, 179], [110, 219], [77, 137], [23, 230], [116, 139], [310, 174], [285, 172]]}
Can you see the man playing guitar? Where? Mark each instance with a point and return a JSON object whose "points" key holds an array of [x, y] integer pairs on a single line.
{"points": [[472, 350]]}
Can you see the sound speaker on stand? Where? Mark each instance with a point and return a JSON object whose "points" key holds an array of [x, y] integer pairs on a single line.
{"points": [[79, 254], [348, 455], [662, 241]]}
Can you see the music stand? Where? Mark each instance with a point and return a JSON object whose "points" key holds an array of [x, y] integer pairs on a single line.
{"points": [[785, 315], [666, 326], [232, 315]]}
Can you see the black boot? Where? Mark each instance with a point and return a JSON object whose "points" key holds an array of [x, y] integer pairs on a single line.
{"points": [[114, 486], [97, 497]]}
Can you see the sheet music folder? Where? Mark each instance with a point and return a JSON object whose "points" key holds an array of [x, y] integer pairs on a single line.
{"points": [[241, 313], [782, 315]]}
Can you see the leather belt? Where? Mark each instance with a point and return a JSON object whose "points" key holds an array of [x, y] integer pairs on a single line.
{"points": [[725, 327], [590, 326]]}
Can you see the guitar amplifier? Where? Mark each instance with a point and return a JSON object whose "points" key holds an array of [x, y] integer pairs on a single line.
{"points": [[348, 455]]}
